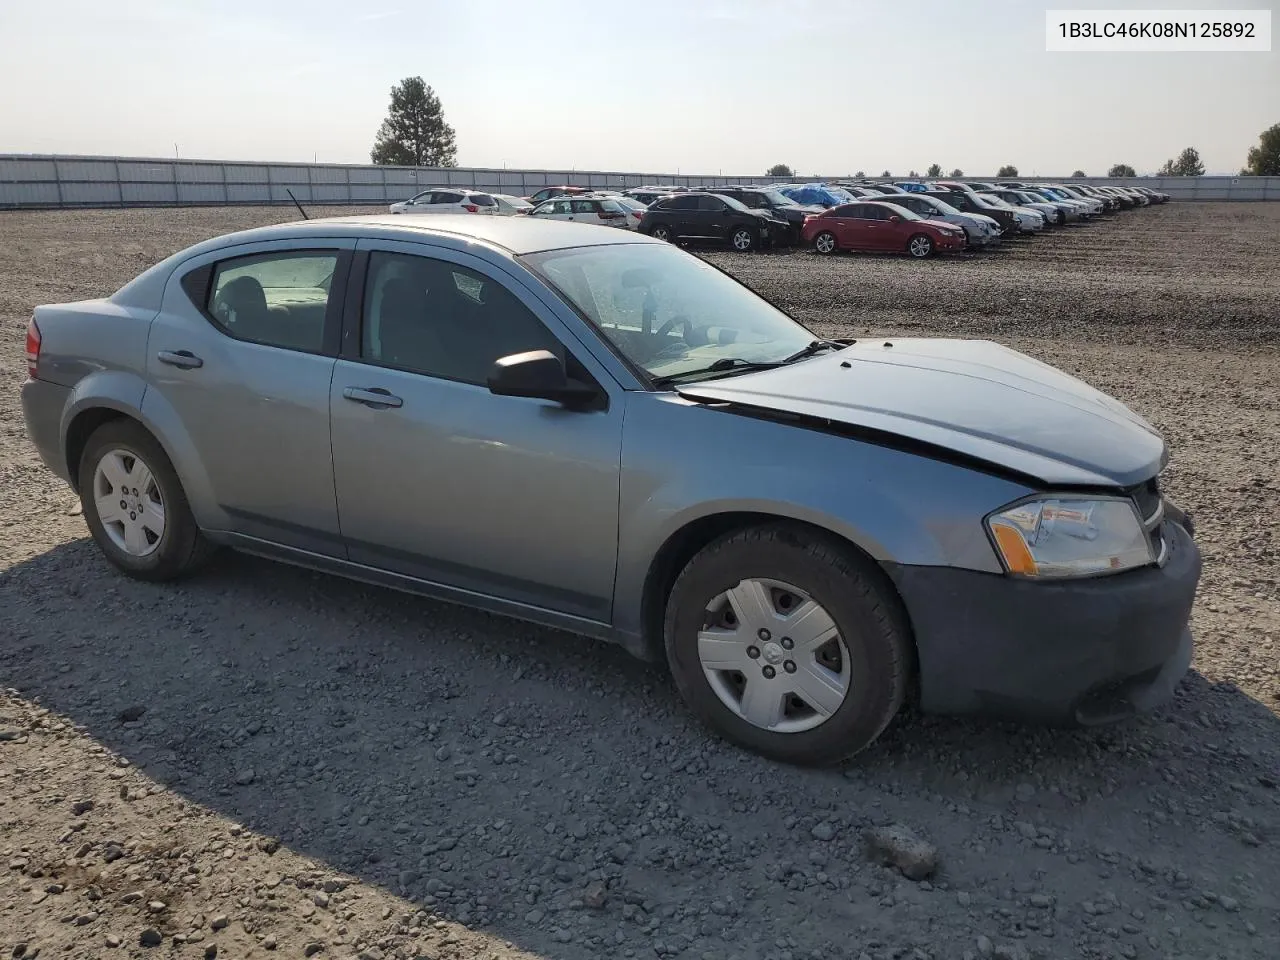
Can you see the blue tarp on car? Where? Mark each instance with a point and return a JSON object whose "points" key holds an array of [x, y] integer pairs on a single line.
{"points": [[818, 194]]}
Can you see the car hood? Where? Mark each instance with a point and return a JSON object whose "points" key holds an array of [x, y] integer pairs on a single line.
{"points": [[975, 398]]}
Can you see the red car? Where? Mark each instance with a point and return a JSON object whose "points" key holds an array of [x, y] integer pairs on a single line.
{"points": [[871, 225]]}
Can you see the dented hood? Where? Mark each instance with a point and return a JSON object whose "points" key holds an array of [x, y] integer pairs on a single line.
{"points": [[974, 397]]}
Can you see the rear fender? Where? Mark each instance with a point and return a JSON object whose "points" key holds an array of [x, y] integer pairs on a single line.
{"points": [[126, 393]]}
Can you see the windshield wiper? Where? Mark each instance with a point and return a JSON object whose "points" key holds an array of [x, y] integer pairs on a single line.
{"points": [[723, 365], [814, 346], [738, 365]]}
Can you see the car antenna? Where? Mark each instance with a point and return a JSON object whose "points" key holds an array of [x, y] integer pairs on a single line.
{"points": [[296, 203]]}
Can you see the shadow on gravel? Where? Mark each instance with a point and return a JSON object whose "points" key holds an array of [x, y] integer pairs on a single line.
{"points": [[553, 791]]}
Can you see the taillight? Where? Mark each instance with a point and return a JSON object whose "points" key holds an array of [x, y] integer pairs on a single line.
{"points": [[33, 349], [470, 207]]}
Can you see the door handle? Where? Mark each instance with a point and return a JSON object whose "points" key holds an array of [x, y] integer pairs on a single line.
{"points": [[375, 397], [180, 358]]}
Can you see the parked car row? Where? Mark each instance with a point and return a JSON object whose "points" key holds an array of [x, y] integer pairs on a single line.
{"points": [[919, 218]]}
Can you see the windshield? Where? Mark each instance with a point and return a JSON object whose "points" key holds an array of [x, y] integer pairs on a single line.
{"points": [[943, 207], [668, 311], [1030, 198], [777, 199]]}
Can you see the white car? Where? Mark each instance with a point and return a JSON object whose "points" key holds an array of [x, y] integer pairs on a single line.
{"points": [[1067, 210], [448, 200], [1020, 198], [1029, 221], [509, 206], [633, 207], [1061, 196], [1095, 206], [587, 208], [980, 229]]}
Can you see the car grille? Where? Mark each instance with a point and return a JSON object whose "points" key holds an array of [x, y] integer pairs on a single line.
{"points": [[1150, 503]]}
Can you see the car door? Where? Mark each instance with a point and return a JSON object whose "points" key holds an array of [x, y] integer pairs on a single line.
{"points": [[683, 211], [715, 219], [845, 225], [239, 362], [446, 201], [439, 479], [585, 211], [871, 227]]}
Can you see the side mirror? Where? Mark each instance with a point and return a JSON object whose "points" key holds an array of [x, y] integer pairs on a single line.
{"points": [[895, 219], [539, 374]]}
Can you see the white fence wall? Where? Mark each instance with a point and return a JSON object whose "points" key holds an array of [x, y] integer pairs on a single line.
{"points": [[28, 180]]}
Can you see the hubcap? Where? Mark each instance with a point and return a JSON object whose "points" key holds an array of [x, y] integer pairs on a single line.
{"points": [[660, 233], [920, 246], [826, 243], [774, 656], [742, 240], [128, 502]]}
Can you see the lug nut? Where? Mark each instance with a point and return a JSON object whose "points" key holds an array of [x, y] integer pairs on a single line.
{"points": [[787, 643], [753, 652], [764, 635], [789, 666], [769, 673]]}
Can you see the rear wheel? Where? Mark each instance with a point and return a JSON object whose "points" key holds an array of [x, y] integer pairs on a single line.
{"points": [[742, 239], [825, 242], [920, 246], [135, 506], [789, 644], [661, 231]]}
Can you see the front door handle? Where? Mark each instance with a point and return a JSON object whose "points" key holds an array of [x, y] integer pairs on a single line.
{"points": [[375, 397], [180, 358]]}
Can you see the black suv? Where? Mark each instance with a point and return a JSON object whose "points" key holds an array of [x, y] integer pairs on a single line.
{"points": [[967, 201], [709, 216], [781, 207]]}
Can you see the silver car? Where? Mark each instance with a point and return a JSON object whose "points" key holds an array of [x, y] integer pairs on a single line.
{"points": [[591, 429]]}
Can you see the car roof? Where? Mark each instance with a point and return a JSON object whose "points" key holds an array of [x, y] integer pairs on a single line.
{"points": [[516, 235]]}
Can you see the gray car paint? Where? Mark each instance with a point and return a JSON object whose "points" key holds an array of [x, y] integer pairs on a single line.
{"points": [[971, 396], [526, 508]]}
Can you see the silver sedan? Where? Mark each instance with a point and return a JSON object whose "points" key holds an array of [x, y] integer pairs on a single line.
{"points": [[587, 428]]}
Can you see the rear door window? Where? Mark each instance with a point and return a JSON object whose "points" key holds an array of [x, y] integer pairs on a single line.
{"points": [[276, 299]]}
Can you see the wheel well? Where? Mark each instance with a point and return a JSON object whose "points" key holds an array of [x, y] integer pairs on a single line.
{"points": [[79, 432], [681, 546]]}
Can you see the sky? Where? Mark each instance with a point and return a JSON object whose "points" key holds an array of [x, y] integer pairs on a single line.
{"points": [[829, 87]]}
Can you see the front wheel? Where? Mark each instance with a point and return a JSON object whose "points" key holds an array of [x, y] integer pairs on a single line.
{"points": [[742, 239], [789, 644], [825, 242], [920, 246]]}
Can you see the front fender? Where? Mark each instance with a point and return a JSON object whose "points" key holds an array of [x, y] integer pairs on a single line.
{"points": [[683, 463]]}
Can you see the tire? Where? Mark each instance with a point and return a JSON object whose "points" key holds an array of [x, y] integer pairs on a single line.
{"points": [[660, 231], [1062, 218], [861, 670], [742, 239], [920, 246], [825, 243], [174, 550]]}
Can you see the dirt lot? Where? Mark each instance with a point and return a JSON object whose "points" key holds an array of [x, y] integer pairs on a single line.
{"points": [[267, 759]]}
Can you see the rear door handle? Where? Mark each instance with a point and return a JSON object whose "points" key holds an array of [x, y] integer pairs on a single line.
{"points": [[180, 358], [375, 397]]}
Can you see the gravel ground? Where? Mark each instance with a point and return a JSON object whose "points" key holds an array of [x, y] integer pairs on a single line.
{"points": [[270, 762]]}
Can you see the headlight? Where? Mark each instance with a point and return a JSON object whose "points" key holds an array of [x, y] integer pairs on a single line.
{"points": [[1055, 537]]}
